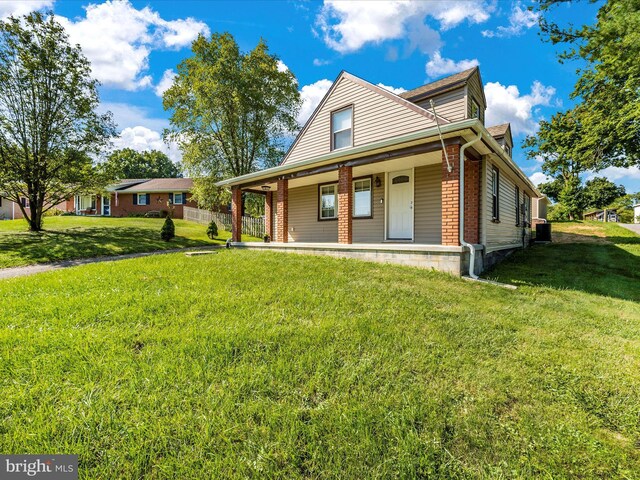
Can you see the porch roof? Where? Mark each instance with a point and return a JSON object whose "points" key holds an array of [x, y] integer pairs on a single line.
{"points": [[469, 126]]}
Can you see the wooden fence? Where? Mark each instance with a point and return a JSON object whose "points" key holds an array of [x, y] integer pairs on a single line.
{"points": [[250, 226]]}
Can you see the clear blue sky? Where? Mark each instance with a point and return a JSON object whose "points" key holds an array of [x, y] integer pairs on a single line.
{"points": [[135, 47]]}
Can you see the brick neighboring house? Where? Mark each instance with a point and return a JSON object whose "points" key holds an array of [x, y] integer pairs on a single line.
{"points": [[138, 197], [9, 210], [415, 179]]}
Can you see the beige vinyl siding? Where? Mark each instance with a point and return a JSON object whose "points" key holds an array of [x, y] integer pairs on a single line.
{"points": [[304, 225], [375, 118], [371, 230], [427, 197], [450, 105], [474, 91], [505, 233]]}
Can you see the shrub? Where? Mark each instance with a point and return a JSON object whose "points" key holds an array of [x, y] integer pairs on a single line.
{"points": [[212, 230], [168, 230]]}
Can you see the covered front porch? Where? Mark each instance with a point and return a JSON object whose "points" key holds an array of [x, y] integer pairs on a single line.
{"points": [[396, 205]]}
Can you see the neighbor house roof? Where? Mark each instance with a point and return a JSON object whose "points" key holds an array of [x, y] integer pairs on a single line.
{"points": [[125, 183], [160, 185], [498, 130], [443, 84]]}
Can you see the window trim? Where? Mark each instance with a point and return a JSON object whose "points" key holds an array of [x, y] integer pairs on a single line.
{"points": [[477, 105], [327, 219], [173, 198], [144, 195], [527, 209], [507, 149], [495, 195], [353, 192], [331, 132], [518, 213]]}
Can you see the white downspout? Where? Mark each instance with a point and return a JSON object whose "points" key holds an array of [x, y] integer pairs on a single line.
{"points": [[472, 249]]}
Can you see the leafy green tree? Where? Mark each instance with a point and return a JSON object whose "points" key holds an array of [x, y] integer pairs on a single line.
{"points": [[552, 189], [608, 87], [231, 112], [572, 198], [49, 128], [129, 163], [168, 231], [600, 192]]}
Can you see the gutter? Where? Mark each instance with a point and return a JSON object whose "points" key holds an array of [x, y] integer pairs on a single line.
{"points": [[472, 248]]}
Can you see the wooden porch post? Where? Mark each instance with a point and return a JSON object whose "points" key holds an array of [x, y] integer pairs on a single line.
{"points": [[451, 196], [282, 225], [236, 214], [268, 214], [345, 205]]}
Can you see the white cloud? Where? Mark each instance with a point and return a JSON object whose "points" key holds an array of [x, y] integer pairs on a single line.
{"points": [[438, 65], [143, 139], [538, 177], [318, 62], [118, 39], [505, 104], [165, 82], [617, 173], [22, 7], [311, 96], [126, 115], [396, 90], [282, 67], [348, 26], [521, 19]]}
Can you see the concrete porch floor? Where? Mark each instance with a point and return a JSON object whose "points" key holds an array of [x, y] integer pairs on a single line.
{"points": [[450, 259]]}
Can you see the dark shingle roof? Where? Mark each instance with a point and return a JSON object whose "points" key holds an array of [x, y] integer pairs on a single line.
{"points": [[161, 185], [498, 130], [439, 85]]}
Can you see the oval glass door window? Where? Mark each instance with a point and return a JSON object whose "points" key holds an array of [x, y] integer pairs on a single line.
{"points": [[400, 179]]}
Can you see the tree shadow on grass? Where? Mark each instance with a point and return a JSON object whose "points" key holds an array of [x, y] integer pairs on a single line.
{"points": [[610, 267], [55, 245]]}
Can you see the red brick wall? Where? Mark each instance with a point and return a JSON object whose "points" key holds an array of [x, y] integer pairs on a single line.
{"points": [[282, 213], [158, 202], [236, 214], [451, 197], [345, 205], [268, 214], [472, 187]]}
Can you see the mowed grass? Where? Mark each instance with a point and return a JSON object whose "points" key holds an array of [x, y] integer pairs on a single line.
{"points": [[595, 257], [249, 364], [73, 237]]}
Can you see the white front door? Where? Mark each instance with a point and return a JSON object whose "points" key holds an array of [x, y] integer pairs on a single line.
{"points": [[400, 205], [106, 206]]}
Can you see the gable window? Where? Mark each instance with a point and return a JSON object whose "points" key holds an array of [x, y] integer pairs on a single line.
{"points": [[475, 109], [342, 128], [328, 209], [517, 206], [362, 197], [507, 149], [495, 195]]}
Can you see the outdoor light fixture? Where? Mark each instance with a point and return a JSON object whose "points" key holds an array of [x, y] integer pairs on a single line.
{"points": [[265, 188], [378, 182]]}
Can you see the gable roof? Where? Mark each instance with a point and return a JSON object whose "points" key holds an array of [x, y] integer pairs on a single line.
{"points": [[499, 130], [160, 185], [444, 84], [372, 88]]}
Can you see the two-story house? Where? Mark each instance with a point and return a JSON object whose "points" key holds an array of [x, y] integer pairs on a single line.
{"points": [[415, 179]]}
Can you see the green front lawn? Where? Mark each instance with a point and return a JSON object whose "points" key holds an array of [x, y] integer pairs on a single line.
{"points": [[72, 237], [246, 364]]}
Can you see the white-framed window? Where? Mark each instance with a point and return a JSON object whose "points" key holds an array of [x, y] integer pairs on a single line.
{"points": [[342, 128], [142, 198], [328, 208], [527, 209], [362, 197], [178, 198], [495, 194], [507, 149], [475, 109]]}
